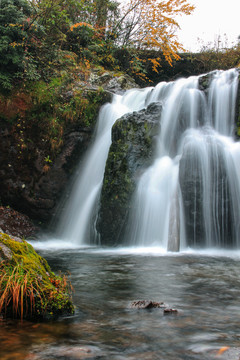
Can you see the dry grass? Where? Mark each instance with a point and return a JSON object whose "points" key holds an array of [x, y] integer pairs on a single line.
{"points": [[18, 291], [26, 295]]}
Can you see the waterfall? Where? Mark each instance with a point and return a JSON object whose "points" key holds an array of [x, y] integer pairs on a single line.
{"points": [[77, 223], [190, 195]]}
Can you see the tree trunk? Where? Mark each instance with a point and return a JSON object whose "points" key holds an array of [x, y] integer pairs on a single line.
{"points": [[102, 10]]}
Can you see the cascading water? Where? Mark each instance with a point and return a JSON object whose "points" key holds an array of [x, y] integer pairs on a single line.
{"points": [[77, 223], [190, 195]]}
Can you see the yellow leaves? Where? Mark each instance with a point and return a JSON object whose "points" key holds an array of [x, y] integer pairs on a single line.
{"points": [[14, 25], [14, 44], [80, 25], [155, 63], [157, 24], [222, 350]]}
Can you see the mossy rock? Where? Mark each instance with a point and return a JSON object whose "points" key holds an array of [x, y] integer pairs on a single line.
{"points": [[131, 152], [28, 287]]}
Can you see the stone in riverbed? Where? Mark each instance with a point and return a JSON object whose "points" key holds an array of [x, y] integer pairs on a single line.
{"points": [[147, 304], [170, 311], [65, 352]]}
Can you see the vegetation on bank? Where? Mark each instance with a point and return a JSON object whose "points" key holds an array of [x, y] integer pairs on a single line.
{"points": [[28, 287], [218, 55]]}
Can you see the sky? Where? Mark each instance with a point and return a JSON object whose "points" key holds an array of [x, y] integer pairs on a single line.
{"points": [[210, 19]]}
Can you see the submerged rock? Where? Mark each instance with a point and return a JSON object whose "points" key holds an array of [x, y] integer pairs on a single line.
{"points": [[147, 304], [67, 352], [170, 311], [131, 152]]}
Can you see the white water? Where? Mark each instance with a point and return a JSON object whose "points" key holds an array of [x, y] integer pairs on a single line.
{"points": [[77, 223], [191, 193], [195, 147]]}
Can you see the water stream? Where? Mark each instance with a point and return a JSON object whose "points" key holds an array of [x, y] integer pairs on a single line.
{"points": [[203, 286], [190, 195]]}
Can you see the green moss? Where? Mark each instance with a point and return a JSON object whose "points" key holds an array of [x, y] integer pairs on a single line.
{"points": [[25, 254], [27, 276], [130, 153]]}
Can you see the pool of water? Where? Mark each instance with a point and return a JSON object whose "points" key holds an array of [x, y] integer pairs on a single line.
{"points": [[203, 286]]}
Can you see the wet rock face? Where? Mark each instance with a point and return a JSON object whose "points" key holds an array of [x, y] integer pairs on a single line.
{"points": [[34, 187], [131, 152]]}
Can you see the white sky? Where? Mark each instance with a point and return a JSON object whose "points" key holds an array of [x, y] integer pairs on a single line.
{"points": [[210, 19]]}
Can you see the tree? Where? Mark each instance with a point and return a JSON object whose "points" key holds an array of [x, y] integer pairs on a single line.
{"points": [[36, 35], [132, 25], [50, 47], [106, 15], [151, 24], [13, 38]]}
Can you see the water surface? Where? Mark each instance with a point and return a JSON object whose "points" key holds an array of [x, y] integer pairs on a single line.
{"points": [[203, 286]]}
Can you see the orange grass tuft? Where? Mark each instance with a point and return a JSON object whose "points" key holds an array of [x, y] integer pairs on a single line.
{"points": [[18, 291], [24, 294]]}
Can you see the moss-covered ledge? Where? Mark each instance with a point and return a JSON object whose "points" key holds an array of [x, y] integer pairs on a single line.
{"points": [[28, 287]]}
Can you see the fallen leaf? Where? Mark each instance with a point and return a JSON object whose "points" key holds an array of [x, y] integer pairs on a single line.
{"points": [[222, 350]]}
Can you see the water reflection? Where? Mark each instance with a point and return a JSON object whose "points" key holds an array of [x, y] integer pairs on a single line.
{"points": [[205, 290]]}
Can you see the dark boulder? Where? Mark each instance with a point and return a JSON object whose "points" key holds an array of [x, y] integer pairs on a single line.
{"points": [[131, 152], [147, 304], [16, 224], [170, 311]]}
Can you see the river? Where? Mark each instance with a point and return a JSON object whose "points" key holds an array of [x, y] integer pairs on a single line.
{"points": [[203, 286]]}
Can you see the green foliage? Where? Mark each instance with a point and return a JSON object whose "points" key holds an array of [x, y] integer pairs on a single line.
{"points": [[41, 113], [13, 20], [46, 39], [81, 35], [41, 39], [54, 18]]}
